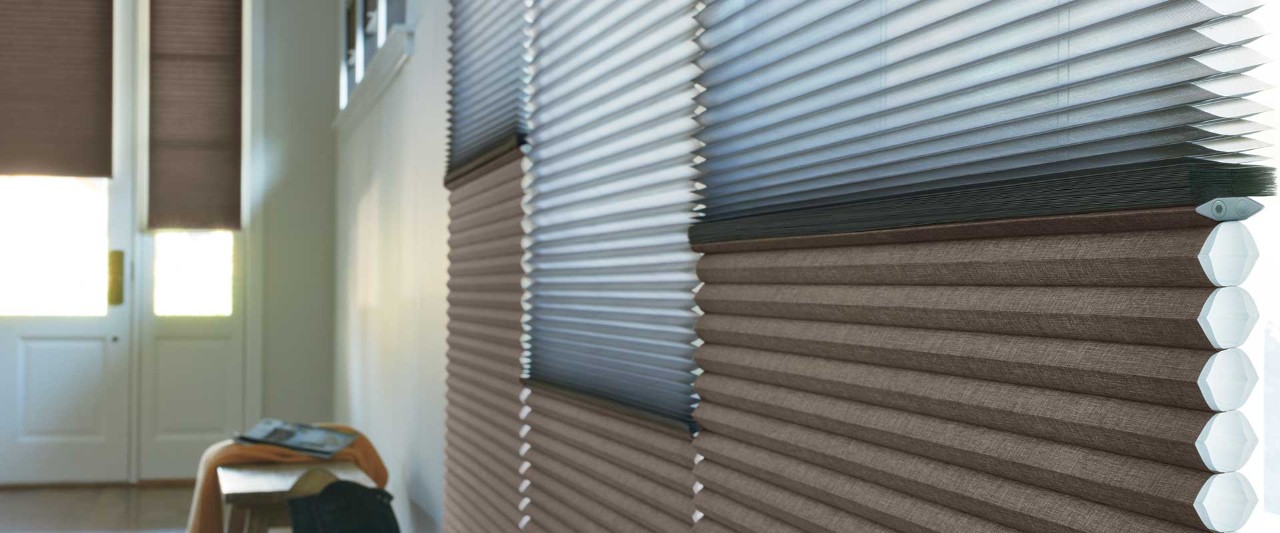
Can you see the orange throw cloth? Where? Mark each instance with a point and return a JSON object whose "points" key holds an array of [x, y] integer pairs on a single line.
{"points": [[206, 505]]}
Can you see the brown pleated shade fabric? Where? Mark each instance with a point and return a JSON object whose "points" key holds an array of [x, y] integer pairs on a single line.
{"points": [[55, 88], [195, 115], [1063, 374], [596, 465], [483, 426]]}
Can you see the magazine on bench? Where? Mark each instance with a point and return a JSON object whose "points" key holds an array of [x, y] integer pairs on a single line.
{"points": [[311, 440]]}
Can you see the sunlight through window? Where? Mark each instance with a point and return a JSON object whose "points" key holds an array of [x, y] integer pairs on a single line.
{"points": [[194, 273], [53, 246]]}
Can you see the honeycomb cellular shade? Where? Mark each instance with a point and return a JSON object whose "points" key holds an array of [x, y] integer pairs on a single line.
{"points": [[487, 67], [483, 428], [905, 375], [602, 466], [610, 199], [997, 109], [55, 88], [1177, 182], [976, 260], [195, 115]]}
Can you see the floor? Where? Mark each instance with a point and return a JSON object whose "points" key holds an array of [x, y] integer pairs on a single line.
{"points": [[95, 509]]}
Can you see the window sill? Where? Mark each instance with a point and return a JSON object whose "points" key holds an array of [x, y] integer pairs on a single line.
{"points": [[378, 76]]}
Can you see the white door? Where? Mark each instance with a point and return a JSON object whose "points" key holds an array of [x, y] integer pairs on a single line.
{"points": [[191, 327], [192, 356], [92, 391], [64, 350]]}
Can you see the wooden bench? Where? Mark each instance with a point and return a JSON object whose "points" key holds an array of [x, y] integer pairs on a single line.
{"points": [[258, 495]]}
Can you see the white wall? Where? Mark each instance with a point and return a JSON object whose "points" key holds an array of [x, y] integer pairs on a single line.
{"points": [[295, 208], [391, 271]]}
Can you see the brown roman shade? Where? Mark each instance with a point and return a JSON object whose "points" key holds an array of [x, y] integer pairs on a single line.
{"points": [[483, 426], [55, 88], [596, 465], [1017, 375], [195, 115]]}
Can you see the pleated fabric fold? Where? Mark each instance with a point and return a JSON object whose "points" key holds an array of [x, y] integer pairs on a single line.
{"points": [[610, 197], [483, 429], [1074, 378], [851, 116], [487, 84], [595, 465]]}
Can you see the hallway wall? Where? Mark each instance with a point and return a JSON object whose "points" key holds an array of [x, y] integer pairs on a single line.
{"points": [[391, 266], [296, 206]]}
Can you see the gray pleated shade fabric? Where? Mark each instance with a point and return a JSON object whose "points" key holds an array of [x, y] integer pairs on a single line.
{"points": [[488, 81], [1064, 374], [483, 426], [610, 198], [820, 104], [599, 466], [55, 88], [195, 115]]}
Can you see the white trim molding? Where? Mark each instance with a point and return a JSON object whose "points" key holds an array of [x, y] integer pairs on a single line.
{"points": [[378, 75]]}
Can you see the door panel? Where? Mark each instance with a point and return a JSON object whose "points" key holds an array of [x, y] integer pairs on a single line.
{"points": [[64, 398], [64, 351], [192, 357], [64, 413], [60, 380]]}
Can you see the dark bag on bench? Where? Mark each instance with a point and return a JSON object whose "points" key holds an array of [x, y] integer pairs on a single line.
{"points": [[344, 507]]}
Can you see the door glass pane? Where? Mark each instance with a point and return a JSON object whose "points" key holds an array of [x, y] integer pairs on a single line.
{"points": [[53, 246], [193, 273]]}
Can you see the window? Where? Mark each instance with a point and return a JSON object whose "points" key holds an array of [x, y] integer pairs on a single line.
{"points": [[366, 25], [53, 237], [194, 273]]}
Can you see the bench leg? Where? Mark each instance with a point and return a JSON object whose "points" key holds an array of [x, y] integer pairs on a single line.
{"points": [[259, 520], [235, 523]]}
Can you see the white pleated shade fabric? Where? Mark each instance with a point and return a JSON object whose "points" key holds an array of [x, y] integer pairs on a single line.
{"points": [[609, 200], [818, 103], [487, 69]]}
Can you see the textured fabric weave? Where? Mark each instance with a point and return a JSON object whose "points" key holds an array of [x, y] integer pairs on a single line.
{"points": [[195, 115], [1166, 258], [1105, 222], [1043, 376], [625, 469], [1142, 486], [483, 427], [1153, 374], [56, 88], [995, 498], [1164, 317]]}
